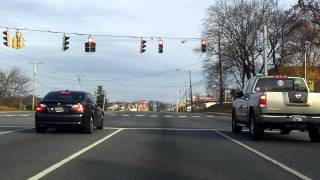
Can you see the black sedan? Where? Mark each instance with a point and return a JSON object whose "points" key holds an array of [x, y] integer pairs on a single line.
{"points": [[68, 108]]}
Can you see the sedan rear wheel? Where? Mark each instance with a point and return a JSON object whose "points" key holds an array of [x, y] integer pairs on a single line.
{"points": [[40, 129], [89, 126]]}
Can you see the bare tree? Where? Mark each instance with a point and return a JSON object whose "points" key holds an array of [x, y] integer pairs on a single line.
{"points": [[13, 84], [240, 25]]}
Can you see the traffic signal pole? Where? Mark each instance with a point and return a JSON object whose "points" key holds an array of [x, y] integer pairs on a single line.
{"points": [[191, 101], [220, 69], [35, 66]]}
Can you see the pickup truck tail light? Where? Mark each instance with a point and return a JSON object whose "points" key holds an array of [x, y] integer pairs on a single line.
{"points": [[41, 108], [263, 100], [78, 108]]}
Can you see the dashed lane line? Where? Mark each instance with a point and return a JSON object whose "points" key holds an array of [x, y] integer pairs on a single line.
{"points": [[24, 129], [182, 116], [273, 161], [140, 115], [71, 157], [125, 115], [167, 116], [154, 116], [196, 116]]}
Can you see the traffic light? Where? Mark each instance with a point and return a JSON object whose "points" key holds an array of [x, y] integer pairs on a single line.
{"points": [[160, 42], [90, 46], [204, 44], [18, 41], [143, 46], [7, 38], [65, 42]]}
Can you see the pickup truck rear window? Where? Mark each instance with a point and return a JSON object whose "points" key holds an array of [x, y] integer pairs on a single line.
{"points": [[280, 85], [63, 96]]}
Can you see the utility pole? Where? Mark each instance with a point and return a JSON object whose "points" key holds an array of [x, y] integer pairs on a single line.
{"points": [[79, 81], [35, 64], [305, 65], [191, 101], [104, 102], [265, 43], [220, 69]]}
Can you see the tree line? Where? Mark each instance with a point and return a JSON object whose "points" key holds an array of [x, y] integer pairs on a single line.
{"points": [[13, 84], [234, 29]]}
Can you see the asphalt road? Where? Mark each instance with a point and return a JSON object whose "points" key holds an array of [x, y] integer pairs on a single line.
{"points": [[136, 145]]}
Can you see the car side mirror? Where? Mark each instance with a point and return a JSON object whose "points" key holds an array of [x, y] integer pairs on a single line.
{"points": [[238, 94]]}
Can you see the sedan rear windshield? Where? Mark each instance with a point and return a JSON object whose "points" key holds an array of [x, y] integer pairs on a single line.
{"points": [[65, 96], [281, 84]]}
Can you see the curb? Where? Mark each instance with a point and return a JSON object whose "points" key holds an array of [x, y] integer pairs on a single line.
{"points": [[217, 113]]}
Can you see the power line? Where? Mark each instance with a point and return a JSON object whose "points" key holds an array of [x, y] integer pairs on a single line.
{"points": [[101, 35], [144, 75]]}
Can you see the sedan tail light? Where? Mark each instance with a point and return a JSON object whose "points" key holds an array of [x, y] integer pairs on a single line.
{"points": [[41, 108], [78, 108], [263, 100]]}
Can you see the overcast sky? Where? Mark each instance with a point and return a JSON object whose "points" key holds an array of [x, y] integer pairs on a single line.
{"points": [[115, 57]]}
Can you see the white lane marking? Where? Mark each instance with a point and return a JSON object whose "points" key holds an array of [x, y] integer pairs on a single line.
{"points": [[24, 115], [7, 132], [196, 116], [71, 157], [210, 116], [167, 129], [275, 162], [15, 115], [154, 116], [16, 126], [167, 116], [182, 116], [139, 115], [125, 115]]}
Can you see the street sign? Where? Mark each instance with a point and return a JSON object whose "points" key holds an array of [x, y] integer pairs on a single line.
{"points": [[311, 85]]}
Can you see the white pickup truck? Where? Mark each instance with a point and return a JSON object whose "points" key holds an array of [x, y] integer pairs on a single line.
{"points": [[276, 102]]}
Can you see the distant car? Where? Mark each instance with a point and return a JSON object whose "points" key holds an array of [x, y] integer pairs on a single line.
{"points": [[68, 108]]}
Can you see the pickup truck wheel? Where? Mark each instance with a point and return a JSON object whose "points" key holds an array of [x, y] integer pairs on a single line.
{"points": [[235, 128], [285, 131], [256, 132], [314, 134]]}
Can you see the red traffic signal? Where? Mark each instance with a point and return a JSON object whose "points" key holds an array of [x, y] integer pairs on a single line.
{"points": [[90, 46], [204, 44], [160, 47]]}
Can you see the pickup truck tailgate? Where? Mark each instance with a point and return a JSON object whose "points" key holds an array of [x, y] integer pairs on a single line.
{"points": [[292, 103]]}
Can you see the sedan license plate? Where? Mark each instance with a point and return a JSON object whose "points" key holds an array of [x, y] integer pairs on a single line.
{"points": [[297, 118], [59, 109]]}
